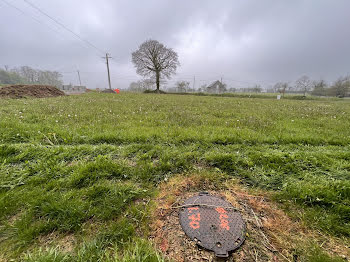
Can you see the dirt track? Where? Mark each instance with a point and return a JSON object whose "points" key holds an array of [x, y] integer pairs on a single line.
{"points": [[21, 91]]}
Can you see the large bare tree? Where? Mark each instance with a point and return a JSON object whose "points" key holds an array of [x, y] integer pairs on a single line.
{"points": [[153, 59]]}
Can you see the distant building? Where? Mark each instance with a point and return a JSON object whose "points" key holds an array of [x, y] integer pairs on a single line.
{"points": [[70, 89], [216, 87]]}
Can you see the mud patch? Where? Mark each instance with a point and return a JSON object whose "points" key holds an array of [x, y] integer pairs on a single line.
{"points": [[271, 234]]}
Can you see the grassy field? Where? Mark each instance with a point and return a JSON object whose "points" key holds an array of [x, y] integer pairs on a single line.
{"points": [[80, 175]]}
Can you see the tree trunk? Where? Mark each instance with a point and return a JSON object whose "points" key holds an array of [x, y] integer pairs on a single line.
{"points": [[157, 80]]}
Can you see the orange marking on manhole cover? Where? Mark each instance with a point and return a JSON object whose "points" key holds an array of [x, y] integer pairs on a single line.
{"points": [[223, 218], [213, 223]]}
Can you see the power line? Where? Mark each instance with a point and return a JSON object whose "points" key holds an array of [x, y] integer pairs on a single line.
{"points": [[63, 26], [75, 34], [32, 17], [60, 34]]}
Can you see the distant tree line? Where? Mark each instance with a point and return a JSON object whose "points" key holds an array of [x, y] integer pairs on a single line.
{"points": [[340, 88], [142, 85], [304, 85], [27, 75]]}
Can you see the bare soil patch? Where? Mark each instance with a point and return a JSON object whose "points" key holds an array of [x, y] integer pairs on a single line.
{"points": [[64, 243], [22, 91], [271, 234]]}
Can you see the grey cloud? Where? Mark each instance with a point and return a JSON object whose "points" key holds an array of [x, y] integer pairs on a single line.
{"points": [[249, 41]]}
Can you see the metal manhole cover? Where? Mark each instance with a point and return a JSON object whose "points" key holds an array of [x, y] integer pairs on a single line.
{"points": [[212, 223]]}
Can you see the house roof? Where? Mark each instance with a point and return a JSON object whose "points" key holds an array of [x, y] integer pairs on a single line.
{"points": [[216, 84]]}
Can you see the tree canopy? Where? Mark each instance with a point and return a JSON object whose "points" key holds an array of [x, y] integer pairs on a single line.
{"points": [[28, 75], [153, 59]]}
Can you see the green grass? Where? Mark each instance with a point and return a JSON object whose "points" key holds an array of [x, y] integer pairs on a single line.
{"points": [[70, 164], [137, 251], [141, 118], [264, 96]]}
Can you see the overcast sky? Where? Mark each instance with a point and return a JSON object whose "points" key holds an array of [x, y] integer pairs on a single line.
{"points": [[245, 41]]}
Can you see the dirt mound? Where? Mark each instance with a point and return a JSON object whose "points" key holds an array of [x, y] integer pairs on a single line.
{"points": [[21, 91]]}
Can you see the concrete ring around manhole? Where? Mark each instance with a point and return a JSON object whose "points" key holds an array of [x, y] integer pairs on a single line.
{"points": [[213, 223]]}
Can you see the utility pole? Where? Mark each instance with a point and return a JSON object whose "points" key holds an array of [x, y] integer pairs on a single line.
{"points": [[194, 82], [109, 76], [79, 77]]}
